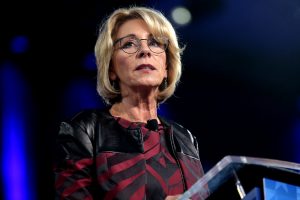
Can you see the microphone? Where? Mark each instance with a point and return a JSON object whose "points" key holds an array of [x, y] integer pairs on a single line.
{"points": [[152, 124]]}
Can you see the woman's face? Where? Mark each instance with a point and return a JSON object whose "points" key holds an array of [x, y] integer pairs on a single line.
{"points": [[143, 69]]}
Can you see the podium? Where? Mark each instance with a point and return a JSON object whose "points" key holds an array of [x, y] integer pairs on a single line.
{"points": [[248, 178]]}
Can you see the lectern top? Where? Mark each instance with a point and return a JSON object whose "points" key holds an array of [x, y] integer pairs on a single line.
{"points": [[229, 165]]}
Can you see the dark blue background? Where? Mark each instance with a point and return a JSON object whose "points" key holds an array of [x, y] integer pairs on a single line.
{"points": [[239, 92]]}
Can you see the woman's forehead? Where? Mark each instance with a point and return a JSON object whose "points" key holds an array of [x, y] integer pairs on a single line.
{"points": [[133, 27]]}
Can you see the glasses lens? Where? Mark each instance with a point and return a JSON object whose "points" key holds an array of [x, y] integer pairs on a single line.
{"points": [[131, 44], [158, 44]]}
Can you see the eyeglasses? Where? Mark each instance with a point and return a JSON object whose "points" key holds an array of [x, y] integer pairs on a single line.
{"points": [[131, 44]]}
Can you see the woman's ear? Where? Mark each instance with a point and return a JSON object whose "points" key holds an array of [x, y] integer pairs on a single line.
{"points": [[112, 73]]}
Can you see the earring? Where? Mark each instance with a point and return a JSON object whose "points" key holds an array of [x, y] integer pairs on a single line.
{"points": [[164, 84]]}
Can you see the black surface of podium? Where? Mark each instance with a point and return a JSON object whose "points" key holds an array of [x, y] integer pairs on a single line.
{"points": [[241, 177]]}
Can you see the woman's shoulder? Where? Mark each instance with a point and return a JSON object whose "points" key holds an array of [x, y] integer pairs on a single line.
{"points": [[85, 119], [82, 123], [89, 115], [177, 127], [181, 133]]}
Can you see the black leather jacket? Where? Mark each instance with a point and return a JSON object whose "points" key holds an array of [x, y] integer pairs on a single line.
{"points": [[81, 141]]}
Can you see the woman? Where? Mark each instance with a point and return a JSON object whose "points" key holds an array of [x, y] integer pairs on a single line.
{"points": [[127, 151]]}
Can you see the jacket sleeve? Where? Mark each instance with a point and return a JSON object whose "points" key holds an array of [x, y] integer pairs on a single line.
{"points": [[73, 162]]}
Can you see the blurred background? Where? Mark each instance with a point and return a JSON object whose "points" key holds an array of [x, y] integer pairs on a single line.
{"points": [[239, 92]]}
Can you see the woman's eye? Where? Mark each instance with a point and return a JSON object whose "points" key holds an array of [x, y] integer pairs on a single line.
{"points": [[128, 44], [153, 42]]}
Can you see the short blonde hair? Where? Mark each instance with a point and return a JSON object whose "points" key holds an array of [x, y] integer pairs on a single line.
{"points": [[158, 25]]}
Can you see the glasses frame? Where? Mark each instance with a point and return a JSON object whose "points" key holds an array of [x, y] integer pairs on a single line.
{"points": [[140, 44]]}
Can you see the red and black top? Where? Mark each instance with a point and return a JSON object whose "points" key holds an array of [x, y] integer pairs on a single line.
{"points": [[99, 156], [162, 172]]}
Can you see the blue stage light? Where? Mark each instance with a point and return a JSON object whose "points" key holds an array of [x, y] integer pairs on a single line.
{"points": [[16, 168], [19, 44]]}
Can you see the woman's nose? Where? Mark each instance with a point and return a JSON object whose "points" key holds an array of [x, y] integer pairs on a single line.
{"points": [[144, 48]]}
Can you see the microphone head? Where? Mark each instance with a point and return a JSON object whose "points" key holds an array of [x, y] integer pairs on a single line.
{"points": [[152, 124]]}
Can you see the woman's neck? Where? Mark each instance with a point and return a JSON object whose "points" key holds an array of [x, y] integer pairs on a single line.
{"points": [[140, 111]]}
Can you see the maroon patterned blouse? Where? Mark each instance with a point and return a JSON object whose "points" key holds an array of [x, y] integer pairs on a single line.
{"points": [[162, 171]]}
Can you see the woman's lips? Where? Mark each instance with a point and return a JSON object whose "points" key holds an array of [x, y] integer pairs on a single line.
{"points": [[145, 66]]}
